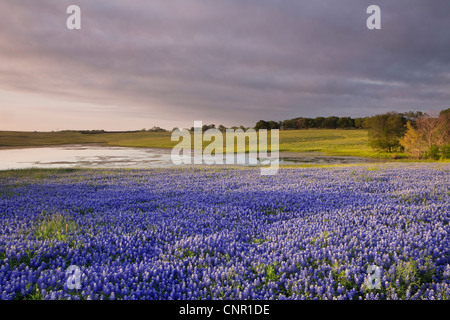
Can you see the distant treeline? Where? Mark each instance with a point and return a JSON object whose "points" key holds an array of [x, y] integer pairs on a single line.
{"points": [[91, 131], [85, 131], [416, 133], [332, 122], [419, 135], [154, 129]]}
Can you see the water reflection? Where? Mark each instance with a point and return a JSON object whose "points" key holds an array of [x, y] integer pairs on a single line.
{"points": [[91, 156]]}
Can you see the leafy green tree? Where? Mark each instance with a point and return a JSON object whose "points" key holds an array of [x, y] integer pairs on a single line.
{"points": [[274, 125], [385, 131], [318, 122], [287, 125], [206, 127], [446, 151], [298, 123], [156, 129], [346, 122], [359, 123], [261, 124], [308, 123], [330, 123]]}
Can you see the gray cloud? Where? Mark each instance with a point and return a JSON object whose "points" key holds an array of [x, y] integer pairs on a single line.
{"points": [[229, 61]]}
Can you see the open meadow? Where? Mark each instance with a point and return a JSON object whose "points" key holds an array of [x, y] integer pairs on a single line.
{"points": [[330, 142], [208, 233]]}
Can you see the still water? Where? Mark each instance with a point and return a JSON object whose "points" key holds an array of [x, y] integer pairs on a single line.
{"points": [[91, 156]]}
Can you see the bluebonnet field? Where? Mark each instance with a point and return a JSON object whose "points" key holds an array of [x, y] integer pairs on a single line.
{"points": [[305, 233]]}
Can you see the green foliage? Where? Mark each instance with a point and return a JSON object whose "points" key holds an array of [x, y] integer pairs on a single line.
{"points": [[261, 124], [55, 227], [84, 211], [446, 151], [188, 253], [36, 295], [258, 241], [385, 131], [409, 277], [342, 279], [126, 139], [328, 141], [271, 273], [269, 270], [34, 173], [433, 153]]}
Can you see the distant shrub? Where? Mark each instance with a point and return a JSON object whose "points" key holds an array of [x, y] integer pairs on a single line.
{"points": [[433, 153], [446, 151]]}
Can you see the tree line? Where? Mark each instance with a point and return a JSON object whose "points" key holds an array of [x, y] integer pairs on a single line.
{"points": [[421, 136], [312, 123], [418, 134]]}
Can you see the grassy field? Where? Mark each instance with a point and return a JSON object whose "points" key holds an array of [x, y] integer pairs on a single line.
{"points": [[331, 142], [129, 139]]}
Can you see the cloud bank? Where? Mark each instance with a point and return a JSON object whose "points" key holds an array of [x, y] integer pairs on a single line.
{"points": [[169, 62]]}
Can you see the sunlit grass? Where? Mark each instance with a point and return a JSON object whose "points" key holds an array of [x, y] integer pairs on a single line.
{"points": [[33, 173], [55, 227], [327, 142]]}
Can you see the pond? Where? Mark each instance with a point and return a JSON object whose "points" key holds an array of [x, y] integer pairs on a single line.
{"points": [[96, 156]]}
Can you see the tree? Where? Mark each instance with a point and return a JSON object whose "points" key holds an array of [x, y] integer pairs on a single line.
{"points": [[359, 123], [413, 141], [346, 122], [430, 137], [298, 123], [385, 131], [308, 123], [289, 124], [156, 129], [206, 127], [412, 116], [261, 124], [434, 129], [318, 122], [330, 122], [275, 124]]}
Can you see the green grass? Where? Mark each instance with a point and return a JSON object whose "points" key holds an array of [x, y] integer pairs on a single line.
{"points": [[327, 141], [330, 142], [55, 227], [127, 139], [34, 173]]}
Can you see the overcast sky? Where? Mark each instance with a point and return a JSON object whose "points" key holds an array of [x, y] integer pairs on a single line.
{"points": [[136, 64]]}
